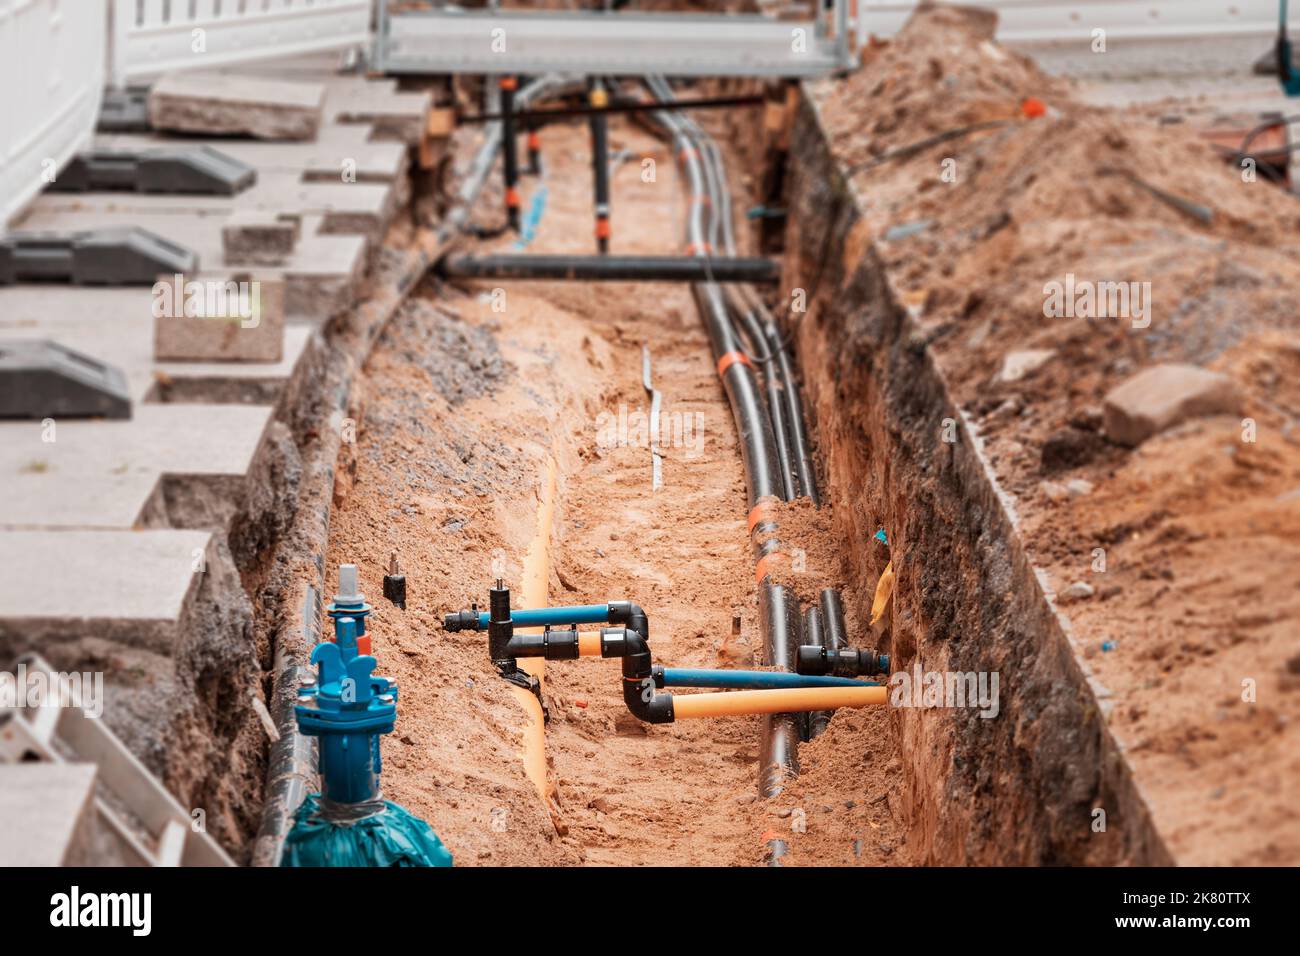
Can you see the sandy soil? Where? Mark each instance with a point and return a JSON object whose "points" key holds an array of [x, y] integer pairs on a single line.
{"points": [[465, 404], [1191, 623]]}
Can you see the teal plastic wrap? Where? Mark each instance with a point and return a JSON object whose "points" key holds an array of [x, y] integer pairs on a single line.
{"points": [[391, 837]]}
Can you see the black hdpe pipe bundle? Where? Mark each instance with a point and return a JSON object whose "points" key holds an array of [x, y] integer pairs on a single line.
{"points": [[778, 758]]}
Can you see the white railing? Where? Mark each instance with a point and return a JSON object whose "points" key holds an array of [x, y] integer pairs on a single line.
{"points": [[1029, 21], [52, 70], [151, 37]]}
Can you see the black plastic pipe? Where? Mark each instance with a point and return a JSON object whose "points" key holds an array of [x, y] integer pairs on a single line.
{"points": [[764, 333], [510, 150], [757, 444], [779, 740], [805, 471], [815, 636], [610, 268], [600, 165], [534, 152], [833, 619], [616, 106], [779, 753]]}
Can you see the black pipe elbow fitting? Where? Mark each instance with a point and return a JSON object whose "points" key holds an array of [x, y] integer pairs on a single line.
{"points": [[461, 620], [640, 675], [637, 664], [845, 662], [641, 699], [631, 616]]}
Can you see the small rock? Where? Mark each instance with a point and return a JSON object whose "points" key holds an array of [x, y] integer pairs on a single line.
{"points": [[600, 805], [1075, 592], [784, 813], [1078, 487], [1053, 491], [1016, 365], [907, 229], [745, 798], [1162, 396]]}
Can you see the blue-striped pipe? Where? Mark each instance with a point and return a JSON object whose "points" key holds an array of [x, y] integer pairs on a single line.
{"points": [[544, 616], [753, 680]]}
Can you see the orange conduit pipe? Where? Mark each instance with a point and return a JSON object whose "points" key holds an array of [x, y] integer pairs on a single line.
{"points": [[742, 702], [536, 589]]}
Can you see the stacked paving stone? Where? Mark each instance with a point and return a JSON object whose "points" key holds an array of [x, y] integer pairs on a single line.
{"points": [[107, 529]]}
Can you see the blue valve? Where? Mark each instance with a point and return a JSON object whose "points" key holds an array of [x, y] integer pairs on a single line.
{"points": [[348, 709]]}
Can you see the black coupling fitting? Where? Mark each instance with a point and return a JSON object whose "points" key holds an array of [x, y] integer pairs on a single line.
{"points": [[462, 620], [553, 645], [845, 662]]}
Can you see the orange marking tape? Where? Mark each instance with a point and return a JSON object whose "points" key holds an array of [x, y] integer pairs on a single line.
{"points": [[760, 512], [509, 83], [730, 359], [363, 644], [512, 197], [602, 228]]}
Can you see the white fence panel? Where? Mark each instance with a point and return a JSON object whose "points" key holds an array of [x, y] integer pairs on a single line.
{"points": [[52, 71], [151, 37], [1045, 20]]}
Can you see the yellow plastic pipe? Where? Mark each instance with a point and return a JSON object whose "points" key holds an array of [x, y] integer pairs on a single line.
{"points": [[740, 702], [534, 590]]}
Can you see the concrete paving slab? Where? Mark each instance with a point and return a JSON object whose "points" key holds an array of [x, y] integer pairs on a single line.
{"points": [[343, 208], [321, 277], [321, 160], [352, 98], [47, 814], [116, 325], [393, 116], [78, 579], [100, 474], [243, 321], [236, 104]]}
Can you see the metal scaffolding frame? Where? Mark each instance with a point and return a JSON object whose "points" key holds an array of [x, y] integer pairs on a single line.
{"points": [[453, 40]]}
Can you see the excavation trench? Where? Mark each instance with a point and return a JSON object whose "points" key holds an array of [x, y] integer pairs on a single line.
{"points": [[470, 394], [489, 403]]}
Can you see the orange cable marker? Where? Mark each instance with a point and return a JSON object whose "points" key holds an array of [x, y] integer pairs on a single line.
{"points": [[730, 359], [759, 512]]}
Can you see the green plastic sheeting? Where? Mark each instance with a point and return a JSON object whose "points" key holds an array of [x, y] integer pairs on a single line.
{"points": [[391, 837]]}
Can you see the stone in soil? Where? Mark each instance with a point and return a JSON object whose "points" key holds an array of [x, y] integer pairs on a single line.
{"points": [[1162, 396]]}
